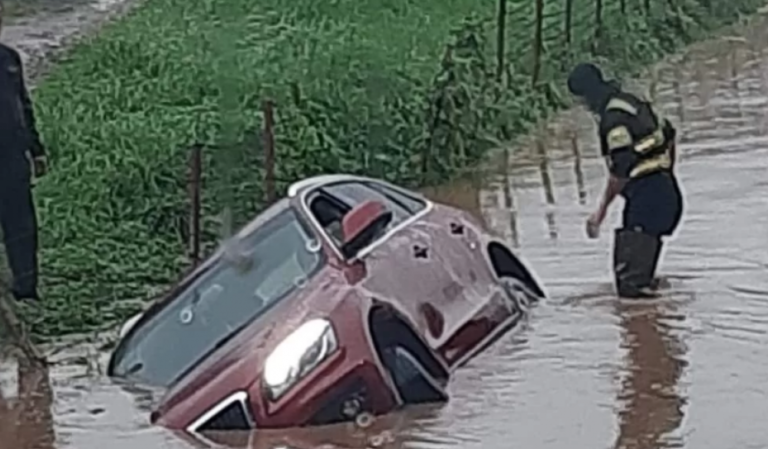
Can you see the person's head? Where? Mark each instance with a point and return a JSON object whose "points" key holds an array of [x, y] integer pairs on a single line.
{"points": [[586, 81]]}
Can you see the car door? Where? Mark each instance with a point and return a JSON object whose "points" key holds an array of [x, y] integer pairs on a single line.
{"points": [[471, 299], [463, 251], [403, 266], [454, 258]]}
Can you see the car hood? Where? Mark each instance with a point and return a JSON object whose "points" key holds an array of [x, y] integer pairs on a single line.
{"points": [[236, 365]]}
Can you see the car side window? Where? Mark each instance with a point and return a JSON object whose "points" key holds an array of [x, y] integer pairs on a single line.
{"points": [[413, 204], [354, 193]]}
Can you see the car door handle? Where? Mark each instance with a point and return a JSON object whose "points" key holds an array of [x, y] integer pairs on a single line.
{"points": [[420, 252], [457, 228]]}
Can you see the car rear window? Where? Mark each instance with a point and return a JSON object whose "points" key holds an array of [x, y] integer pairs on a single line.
{"points": [[274, 260]]}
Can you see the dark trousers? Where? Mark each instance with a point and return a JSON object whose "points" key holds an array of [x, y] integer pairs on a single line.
{"points": [[18, 222], [652, 211]]}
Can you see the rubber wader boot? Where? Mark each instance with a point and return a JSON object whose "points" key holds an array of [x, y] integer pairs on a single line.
{"points": [[635, 257]]}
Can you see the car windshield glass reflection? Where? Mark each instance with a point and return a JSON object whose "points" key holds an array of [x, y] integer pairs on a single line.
{"points": [[260, 270]]}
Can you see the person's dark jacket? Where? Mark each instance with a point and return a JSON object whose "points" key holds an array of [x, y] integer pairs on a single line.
{"points": [[19, 138]]}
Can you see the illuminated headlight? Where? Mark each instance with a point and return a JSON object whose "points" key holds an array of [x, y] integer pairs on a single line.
{"points": [[297, 355]]}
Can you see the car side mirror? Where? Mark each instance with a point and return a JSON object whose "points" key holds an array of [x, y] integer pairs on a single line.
{"points": [[129, 324], [363, 225]]}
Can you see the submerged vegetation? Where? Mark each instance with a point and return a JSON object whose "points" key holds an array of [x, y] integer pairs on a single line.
{"points": [[409, 91]]}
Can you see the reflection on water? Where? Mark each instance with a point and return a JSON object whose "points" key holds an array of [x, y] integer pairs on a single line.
{"points": [[391, 431], [587, 371], [548, 187], [26, 420], [652, 403], [509, 200], [578, 171]]}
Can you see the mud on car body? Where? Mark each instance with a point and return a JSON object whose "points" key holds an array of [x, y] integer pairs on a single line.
{"points": [[350, 295]]}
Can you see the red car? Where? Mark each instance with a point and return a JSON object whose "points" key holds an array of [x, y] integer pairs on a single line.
{"points": [[349, 296]]}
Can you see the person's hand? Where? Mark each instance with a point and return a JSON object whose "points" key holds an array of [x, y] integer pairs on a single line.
{"points": [[594, 222], [40, 166]]}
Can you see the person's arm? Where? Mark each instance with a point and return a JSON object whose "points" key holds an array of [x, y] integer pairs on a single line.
{"points": [[36, 147], [613, 187], [616, 145]]}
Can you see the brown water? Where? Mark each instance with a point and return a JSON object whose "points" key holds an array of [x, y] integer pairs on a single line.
{"points": [[588, 371]]}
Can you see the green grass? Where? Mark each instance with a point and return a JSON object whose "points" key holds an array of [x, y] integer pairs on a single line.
{"points": [[119, 113]]}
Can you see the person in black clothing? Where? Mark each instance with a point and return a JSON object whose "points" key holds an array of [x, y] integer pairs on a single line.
{"points": [[22, 159], [639, 146]]}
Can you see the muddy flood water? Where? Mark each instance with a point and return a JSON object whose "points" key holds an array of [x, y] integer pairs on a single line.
{"points": [[587, 371]]}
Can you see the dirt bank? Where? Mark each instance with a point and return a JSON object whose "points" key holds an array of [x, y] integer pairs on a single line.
{"points": [[41, 29]]}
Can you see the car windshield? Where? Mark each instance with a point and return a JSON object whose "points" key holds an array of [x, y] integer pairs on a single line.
{"points": [[275, 259]]}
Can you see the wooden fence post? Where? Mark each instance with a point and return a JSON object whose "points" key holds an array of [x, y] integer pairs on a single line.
{"points": [[568, 22], [598, 21], [577, 167], [195, 187], [269, 150], [501, 30], [538, 41]]}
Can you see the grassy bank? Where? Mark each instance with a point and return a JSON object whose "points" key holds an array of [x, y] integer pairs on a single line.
{"points": [[361, 86]]}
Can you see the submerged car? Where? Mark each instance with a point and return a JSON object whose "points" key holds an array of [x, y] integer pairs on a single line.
{"points": [[349, 296]]}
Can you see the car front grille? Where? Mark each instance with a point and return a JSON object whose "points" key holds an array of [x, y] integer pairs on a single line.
{"points": [[234, 417]]}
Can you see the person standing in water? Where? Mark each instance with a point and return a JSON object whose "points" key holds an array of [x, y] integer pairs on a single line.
{"points": [[22, 159], [639, 147]]}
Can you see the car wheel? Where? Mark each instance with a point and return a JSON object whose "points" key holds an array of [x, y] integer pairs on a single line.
{"points": [[520, 297], [413, 381]]}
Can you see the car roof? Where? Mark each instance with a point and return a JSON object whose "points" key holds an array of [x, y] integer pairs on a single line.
{"points": [[298, 187]]}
